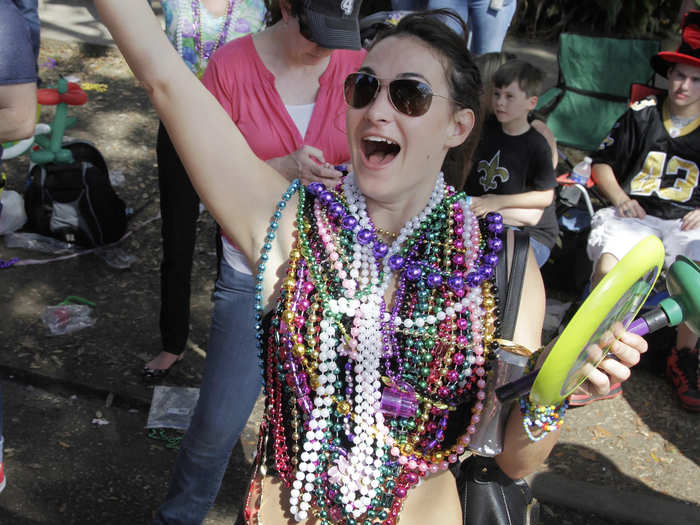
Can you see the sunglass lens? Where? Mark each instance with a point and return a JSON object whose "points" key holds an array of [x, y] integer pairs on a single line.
{"points": [[360, 89], [410, 97]]}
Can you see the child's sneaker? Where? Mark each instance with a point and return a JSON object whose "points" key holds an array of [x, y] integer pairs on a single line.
{"points": [[2, 477], [582, 399], [682, 371]]}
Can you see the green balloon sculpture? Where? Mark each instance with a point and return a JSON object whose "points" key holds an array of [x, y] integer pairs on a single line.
{"points": [[66, 94]]}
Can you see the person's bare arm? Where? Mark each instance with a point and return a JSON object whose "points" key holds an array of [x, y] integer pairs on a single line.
{"points": [[521, 216], [238, 189], [605, 180], [520, 455], [17, 111], [518, 209], [543, 130]]}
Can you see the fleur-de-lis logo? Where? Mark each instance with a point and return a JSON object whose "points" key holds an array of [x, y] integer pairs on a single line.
{"points": [[489, 171], [346, 6]]}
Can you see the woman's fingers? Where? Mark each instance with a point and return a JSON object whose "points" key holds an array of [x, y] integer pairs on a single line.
{"points": [[629, 347], [625, 352], [616, 371], [598, 382], [314, 153]]}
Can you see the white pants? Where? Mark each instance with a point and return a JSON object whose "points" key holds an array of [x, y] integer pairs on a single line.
{"points": [[617, 235]]}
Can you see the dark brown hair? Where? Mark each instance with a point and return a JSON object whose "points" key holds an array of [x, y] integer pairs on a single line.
{"points": [[274, 10], [528, 77]]}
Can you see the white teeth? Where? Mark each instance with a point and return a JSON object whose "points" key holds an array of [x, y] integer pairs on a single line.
{"points": [[380, 139]]}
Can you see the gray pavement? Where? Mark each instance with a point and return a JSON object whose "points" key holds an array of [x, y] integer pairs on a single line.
{"points": [[71, 20]]}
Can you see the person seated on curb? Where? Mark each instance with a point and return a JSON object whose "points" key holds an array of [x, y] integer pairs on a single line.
{"points": [[647, 167], [512, 172]]}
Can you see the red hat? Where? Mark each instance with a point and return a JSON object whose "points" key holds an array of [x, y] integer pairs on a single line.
{"points": [[689, 50]]}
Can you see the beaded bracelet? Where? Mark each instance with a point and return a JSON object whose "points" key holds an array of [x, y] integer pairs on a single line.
{"points": [[540, 418]]}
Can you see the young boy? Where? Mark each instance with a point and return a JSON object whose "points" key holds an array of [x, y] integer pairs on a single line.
{"points": [[648, 167], [512, 172]]}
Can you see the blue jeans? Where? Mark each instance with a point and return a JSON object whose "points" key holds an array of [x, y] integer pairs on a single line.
{"points": [[230, 386], [488, 26], [29, 10], [541, 251]]}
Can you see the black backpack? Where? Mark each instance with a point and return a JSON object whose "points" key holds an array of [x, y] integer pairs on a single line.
{"points": [[75, 202]]}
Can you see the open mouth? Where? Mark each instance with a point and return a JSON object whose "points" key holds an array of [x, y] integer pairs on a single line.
{"points": [[379, 150]]}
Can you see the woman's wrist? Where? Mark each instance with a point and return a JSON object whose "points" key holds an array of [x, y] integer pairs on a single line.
{"points": [[540, 420]]}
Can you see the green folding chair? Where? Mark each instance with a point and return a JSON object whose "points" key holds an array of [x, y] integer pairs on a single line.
{"points": [[595, 74]]}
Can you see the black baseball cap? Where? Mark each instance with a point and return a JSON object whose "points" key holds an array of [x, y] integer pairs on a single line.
{"points": [[332, 23]]}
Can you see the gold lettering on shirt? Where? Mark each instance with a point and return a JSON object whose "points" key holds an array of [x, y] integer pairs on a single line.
{"points": [[648, 180]]}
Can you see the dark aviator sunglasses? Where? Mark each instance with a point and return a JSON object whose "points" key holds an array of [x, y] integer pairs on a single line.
{"points": [[407, 95]]}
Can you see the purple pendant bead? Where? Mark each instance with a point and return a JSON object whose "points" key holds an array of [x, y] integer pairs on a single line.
{"points": [[396, 262], [496, 227], [473, 279], [380, 249], [413, 272], [349, 222], [495, 244], [336, 209], [486, 272], [326, 197], [434, 280], [455, 282], [364, 236], [316, 188], [396, 403], [494, 218], [491, 259]]}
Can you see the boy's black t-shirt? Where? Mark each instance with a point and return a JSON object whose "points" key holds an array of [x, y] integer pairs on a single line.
{"points": [[505, 165]]}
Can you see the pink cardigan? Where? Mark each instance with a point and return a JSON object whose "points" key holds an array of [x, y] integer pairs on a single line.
{"points": [[246, 89]]}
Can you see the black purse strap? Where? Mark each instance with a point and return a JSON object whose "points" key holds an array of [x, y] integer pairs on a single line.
{"points": [[510, 286], [487, 495]]}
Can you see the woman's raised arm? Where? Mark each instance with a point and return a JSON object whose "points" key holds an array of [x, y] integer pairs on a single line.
{"points": [[237, 188]]}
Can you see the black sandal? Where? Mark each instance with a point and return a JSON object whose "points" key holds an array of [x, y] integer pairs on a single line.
{"points": [[159, 373]]}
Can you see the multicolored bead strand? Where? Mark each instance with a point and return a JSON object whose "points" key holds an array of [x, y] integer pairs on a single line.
{"points": [[363, 395]]}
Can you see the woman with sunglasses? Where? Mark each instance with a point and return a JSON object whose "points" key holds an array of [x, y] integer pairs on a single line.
{"points": [[281, 88], [375, 299]]}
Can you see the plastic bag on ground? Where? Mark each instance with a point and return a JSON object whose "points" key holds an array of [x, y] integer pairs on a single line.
{"points": [[40, 243], [116, 257], [67, 318], [172, 407]]}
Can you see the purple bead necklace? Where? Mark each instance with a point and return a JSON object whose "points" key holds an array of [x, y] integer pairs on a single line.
{"points": [[205, 50]]}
